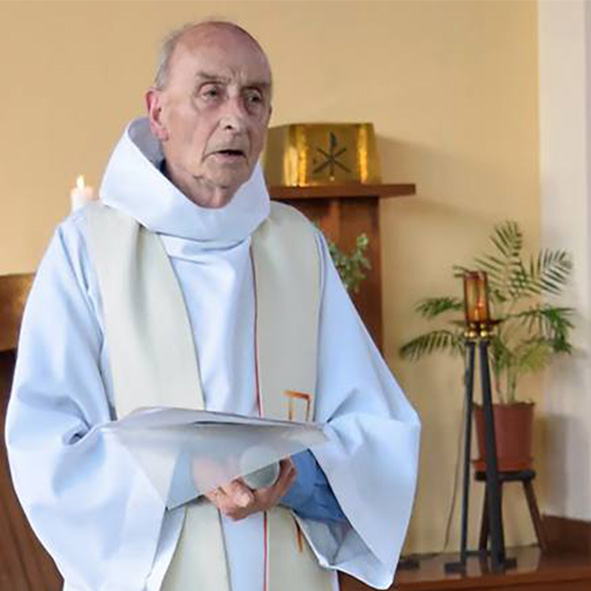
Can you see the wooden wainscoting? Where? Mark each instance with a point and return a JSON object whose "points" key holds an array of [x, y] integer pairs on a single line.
{"points": [[24, 564], [14, 290], [568, 536]]}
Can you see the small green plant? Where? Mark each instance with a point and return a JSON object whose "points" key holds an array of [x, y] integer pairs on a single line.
{"points": [[529, 332], [351, 267]]}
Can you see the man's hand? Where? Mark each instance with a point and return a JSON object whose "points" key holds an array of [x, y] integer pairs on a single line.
{"points": [[237, 501]]}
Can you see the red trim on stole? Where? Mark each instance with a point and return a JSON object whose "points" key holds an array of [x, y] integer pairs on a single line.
{"points": [[266, 563]]}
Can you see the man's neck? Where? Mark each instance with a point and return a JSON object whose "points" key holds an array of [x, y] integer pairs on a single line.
{"points": [[198, 191]]}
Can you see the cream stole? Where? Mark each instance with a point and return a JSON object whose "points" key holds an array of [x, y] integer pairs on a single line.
{"points": [[153, 363]]}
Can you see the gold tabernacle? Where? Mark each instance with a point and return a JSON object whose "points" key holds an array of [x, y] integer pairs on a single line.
{"points": [[308, 154]]}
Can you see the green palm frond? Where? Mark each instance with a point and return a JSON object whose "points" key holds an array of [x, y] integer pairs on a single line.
{"points": [[432, 307], [533, 355], [527, 332], [459, 271], [549, 272], [501, 355], [507, 279], [552, 323], [442, 341], [504, 267], [507, 237], [507, 276]]}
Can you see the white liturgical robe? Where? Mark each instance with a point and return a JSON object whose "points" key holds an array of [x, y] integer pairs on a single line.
{"points": [[88, 500]]}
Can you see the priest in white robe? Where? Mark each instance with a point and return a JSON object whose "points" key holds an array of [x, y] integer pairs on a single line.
{"points": [[187, 177]]}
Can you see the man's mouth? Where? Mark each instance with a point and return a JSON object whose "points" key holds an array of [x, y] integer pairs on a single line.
{"points": [[230, 153]]}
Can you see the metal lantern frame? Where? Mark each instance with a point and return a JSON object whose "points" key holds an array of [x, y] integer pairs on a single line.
{"points": [[479, 329]]}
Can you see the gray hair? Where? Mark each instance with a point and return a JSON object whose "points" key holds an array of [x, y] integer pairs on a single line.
{"points": [[170, 42]]}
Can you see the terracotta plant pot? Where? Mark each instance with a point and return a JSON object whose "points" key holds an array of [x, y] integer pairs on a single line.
{"points": [[513, 430]]}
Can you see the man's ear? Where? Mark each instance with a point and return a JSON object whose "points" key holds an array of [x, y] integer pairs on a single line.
{"points": [[154, 107]]}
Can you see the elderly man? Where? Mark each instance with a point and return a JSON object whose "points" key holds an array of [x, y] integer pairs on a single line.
{"points": [[184, 287]]}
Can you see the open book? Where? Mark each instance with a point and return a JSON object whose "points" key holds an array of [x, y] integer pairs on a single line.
{"points": [[185, 453]]}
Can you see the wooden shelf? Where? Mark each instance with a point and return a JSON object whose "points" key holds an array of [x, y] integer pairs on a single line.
{"points": [[342, 191]]}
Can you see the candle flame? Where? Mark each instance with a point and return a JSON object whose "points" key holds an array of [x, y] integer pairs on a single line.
{"points": [[80, 182]]}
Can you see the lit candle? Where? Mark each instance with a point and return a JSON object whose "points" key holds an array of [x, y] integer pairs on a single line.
{"points": [[476, 297], [80, 195]]}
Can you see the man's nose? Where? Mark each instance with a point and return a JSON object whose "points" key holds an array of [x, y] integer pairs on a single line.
{"points": [[233, 115]]}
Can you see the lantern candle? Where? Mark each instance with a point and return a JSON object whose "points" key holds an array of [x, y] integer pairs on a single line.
{"points": [[80, 195], [476, 298]]}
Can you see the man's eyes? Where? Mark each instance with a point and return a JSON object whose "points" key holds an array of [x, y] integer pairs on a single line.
{"points": [[253, 96], [211, 91]]}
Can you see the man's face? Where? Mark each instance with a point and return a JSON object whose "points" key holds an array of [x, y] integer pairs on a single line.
{"points": [[212, 116]]}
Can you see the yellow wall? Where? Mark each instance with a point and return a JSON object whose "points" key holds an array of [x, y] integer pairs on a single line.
{"points": [[450, 86]]}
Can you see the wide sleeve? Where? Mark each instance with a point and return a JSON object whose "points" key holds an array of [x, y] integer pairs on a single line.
{"points": [[371, 458], [310, 496], [86, 499]]}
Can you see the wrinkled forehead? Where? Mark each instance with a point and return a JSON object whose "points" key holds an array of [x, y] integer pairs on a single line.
{"points": [[219, 51]]}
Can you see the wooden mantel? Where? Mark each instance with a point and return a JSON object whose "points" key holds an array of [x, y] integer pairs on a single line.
{"points": [[343, 212], [342, 191]]}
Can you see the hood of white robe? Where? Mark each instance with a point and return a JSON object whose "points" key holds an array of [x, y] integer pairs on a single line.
{"points": [[134, 184]]}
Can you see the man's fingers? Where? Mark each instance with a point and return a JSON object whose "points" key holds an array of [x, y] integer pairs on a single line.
{"points": [[287, 473], [218, 497], [283, 486], [239, 493], [286, 465], [237, 500], [273, 493], [224, 503]]}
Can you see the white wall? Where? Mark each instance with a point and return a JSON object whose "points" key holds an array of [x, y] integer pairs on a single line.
{"points": [[565, 142]]}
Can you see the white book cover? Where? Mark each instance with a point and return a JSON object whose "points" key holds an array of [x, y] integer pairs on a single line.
{"points": [[185, 453]]}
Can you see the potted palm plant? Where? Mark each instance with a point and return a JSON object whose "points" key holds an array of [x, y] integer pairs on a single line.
{"points": [[532, 328]]}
